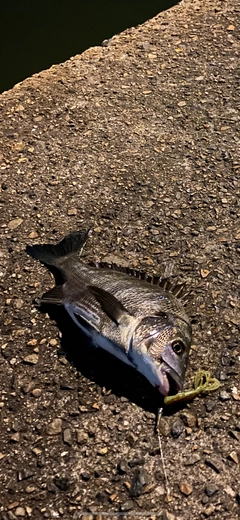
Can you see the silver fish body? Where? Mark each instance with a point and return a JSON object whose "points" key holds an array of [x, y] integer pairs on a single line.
{"points": [[139, 319]]}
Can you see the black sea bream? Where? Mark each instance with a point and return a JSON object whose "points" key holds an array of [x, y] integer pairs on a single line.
{"points": [[137, 318]]}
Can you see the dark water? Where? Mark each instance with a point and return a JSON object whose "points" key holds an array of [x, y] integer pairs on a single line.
{"points": [[35, 34]]}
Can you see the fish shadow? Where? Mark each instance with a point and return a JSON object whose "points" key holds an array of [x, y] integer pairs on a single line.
{"points": [[100, 366]]}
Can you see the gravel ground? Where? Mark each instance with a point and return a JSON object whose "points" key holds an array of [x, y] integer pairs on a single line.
{"points": [[138, 139]]}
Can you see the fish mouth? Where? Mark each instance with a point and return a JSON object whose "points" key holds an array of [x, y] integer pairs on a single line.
{"points": [[171, 382]]}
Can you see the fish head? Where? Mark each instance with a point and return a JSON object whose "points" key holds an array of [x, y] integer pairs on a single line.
{"points": [[160, 350]]}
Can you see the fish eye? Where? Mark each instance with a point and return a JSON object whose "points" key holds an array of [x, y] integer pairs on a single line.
{"points": [[178, 347]]}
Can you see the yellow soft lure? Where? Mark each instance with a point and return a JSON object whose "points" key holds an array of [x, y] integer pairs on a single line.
{"points": [[203, 382]]}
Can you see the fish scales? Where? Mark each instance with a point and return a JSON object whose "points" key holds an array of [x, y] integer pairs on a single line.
{"points": [[142, 323]]}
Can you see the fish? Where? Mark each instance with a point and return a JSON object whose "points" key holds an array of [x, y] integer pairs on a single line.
{"points": [[140, 319]]}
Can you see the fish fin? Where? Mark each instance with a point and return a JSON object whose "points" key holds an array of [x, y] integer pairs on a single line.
{"points": [[109, 304], [179, 290], [54, 296], [49, 253]]}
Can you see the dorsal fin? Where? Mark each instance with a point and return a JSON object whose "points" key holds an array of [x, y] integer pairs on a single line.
{"points": [[179, 290]]}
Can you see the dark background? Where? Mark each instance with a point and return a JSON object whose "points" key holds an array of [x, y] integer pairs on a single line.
{"points": [[35, 34]]}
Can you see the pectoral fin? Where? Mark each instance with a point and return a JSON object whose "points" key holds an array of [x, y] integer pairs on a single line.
{"points": [[110, 305]]}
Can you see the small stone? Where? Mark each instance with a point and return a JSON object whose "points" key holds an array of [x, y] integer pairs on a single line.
{"points": [[102, 451], [204, 273], [36, 392], [177, 428], [82, 437], [13, 224], [122, 467], [31, 359], [185, 488], [72, 211], [61, 483], [20, 511], [85, 476], [224, 396], [67, 436], [164, 427], [231, 28], [233, 456], [13, 505], [54, 427], [229, 491], [33, 234], [167, 516], [15, 437], [127, 506], [30, 489], [209, 510], [139, 482], [18, 303], [210, 490], [222, 376], [209, 405], [213, 465], [131, 438], [189, 419], [182, 103], [23, 474], [53, 342], [160, 491], [32, 343], [192, 460]]}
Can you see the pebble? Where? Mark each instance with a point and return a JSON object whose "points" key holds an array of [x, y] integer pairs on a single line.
{"points": [[13, 224], [229, 491], [213, 465], [72, 211], [192, 460], [53, 342], [23, 474], [209, 510], [61, 483], [177, 428], [15, 437], [20, 511], [164, 427], [127, 506], [33, 234], [185, 488], [139, 481], [210, 490], [102, 451], [82, 437], [122, 467], [67, 436], [167, 516], [31, 359], [233, 456], [54, 427], [224, 396], [209, 405], [18, 303], [189, 419], [36, 392]]}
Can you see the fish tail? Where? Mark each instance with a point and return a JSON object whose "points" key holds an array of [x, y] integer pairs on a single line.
{"points": [[49, 253]]}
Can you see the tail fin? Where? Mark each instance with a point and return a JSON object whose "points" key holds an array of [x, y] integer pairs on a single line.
{"points": [[49, 253]]}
